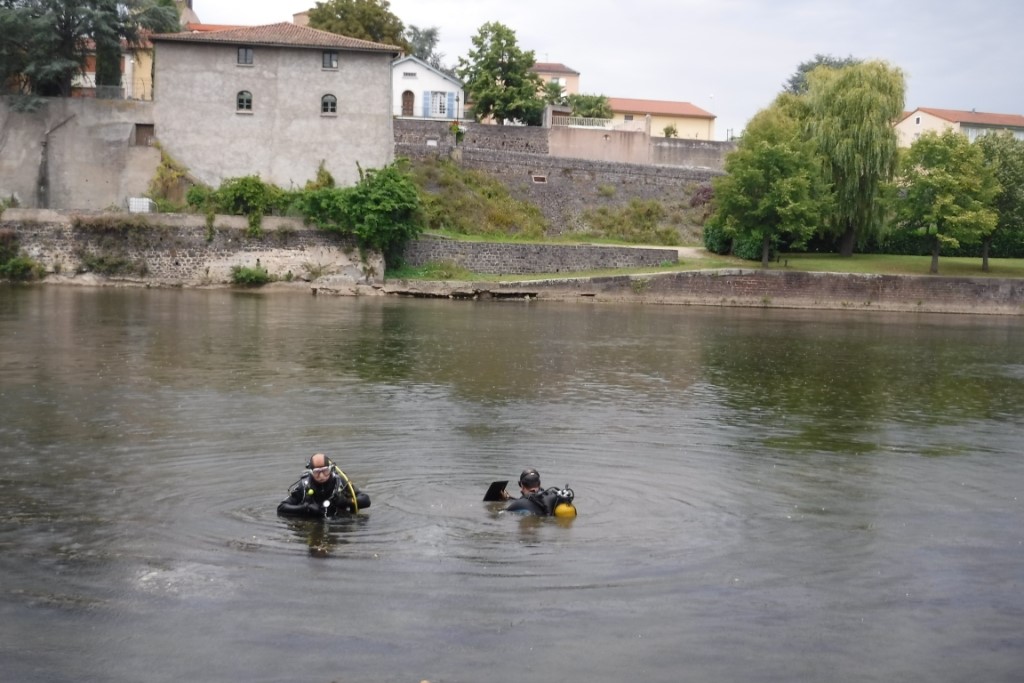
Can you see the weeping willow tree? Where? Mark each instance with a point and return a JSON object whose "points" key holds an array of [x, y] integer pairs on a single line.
{"points": [[850, 116]]}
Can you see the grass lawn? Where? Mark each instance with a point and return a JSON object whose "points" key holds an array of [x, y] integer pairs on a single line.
{"points": [[885, 264], [878, 264]]}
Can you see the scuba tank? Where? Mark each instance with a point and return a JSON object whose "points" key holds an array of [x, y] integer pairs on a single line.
{"points": [[556, 502], [563, 503]]}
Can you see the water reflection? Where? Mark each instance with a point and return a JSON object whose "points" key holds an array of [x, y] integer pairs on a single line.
{"points": [[324, 537]]}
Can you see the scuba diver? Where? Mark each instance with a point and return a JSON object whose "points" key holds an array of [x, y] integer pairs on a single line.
{"points": [[537, 501], [323, 491]]}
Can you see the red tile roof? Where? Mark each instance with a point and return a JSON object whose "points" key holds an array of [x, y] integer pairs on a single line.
{"points": [[624, 105], [203, 28], [285, 34], [977, 117], [553, 68]]}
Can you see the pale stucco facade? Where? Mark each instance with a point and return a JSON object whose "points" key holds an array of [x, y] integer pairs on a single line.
{"points": [[970, 123], [278, 112], [552, 72], [421, 91]]}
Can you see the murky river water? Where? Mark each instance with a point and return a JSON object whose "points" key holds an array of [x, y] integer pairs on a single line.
{"points": [[763, 495]]}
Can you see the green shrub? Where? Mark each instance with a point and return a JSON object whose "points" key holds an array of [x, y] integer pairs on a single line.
{"points": [[199, 197], [15, 265], [253, 276], [748, 247], [246, 196], [384, 209], [716, 240], [326, 208], [21, 268]]}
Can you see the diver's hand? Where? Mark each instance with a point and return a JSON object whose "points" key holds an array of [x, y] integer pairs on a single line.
{"points": [[505, 495]]}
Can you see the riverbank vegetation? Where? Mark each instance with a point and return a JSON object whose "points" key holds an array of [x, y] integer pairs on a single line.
{"points": [[820, 170], [14, 263]]}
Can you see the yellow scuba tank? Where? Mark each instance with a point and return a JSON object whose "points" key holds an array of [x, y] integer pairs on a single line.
{"points": [[563, 504], [565, 510]]}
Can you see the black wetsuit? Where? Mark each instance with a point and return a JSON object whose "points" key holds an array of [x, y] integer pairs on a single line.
{"points": [[306, 498], [537, 503]]}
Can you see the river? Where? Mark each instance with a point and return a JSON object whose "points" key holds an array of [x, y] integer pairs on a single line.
{"points": [[763, 495]]}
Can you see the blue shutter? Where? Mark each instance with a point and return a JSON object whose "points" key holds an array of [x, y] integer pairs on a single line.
{"points": [[451, 105], [426, 104]]}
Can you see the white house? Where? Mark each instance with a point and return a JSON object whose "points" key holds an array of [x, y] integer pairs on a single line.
{"points": [[273, 100], [970, 123], [421, 91]]}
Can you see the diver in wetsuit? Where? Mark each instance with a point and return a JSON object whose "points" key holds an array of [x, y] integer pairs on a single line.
{"points": [[323, 491], [537, 501]]}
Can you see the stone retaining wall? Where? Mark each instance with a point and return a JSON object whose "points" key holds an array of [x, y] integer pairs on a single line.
{"points": [[181, 249], [518, 259]]}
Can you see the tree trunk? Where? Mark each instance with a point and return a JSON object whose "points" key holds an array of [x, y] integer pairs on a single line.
{"points": [[985, 244], [766, 244], [847, 241], [934, 270]]}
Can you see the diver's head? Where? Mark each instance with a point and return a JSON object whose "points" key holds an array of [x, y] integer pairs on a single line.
{"points": [[320, 468], [529, 480]]}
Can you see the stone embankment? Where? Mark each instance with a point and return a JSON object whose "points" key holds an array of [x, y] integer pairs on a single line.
{"points": [[183, 251], [752, 288]]}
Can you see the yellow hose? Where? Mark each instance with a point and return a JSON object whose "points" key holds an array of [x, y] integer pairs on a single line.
{"points": [[351, 489]]}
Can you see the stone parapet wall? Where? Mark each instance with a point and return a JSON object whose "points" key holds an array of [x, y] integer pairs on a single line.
{"points": [[500, 258], [182, 249]]}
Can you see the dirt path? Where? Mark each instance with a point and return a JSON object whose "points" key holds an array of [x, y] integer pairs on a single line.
{"points": [[692, 252]]}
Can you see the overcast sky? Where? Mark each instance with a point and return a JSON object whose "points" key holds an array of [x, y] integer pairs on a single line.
{"points": [[729, 57]]}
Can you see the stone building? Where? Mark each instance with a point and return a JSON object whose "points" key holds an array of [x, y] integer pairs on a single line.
{"points": [[273, 100]]}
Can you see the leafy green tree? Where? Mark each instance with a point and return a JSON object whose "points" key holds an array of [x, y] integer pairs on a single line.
{"points": [[670, 131], [497, 77], [114, 21], [946, 191], [364, 19], [383, 210], [797, 83], [422, 41], [849, 116], [45, 42], [423, 44], [590, 106], [772, 189], [1004, 154]]}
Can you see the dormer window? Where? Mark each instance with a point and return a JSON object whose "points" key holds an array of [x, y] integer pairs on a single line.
{"points": [[245, 56], [330, 59]]}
